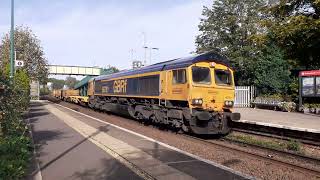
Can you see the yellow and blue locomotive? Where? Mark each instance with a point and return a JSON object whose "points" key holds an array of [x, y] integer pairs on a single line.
{"points": [[195, 94]]}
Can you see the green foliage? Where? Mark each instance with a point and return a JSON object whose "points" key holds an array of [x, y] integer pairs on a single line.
{"points": [[56, 83], [22, 87], [70, 82], [269, 98], [311, 105], [295, 25], [293, 145], [112, 69], [15, 149], [227, 28], [287, 106], [294, 89], [15, 153], [271, 72], [44, 91], [228, 25], [264, 41], [29, 50]]}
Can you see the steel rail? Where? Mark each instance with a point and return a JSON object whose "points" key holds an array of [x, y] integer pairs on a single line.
{"points": [[301, 156], [271, 135], [259, 156], [305, 136]]}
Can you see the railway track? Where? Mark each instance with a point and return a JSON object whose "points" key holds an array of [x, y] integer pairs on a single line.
{"points": [[269, 159], [301, 156], [275, 132], [271, 135]]}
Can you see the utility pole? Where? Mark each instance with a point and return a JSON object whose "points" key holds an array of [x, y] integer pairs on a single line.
{"points": [[132, 54], [151, 53], [12, 41], [145, 48]]}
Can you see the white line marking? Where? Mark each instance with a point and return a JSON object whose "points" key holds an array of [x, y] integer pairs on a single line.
{"points": [[165, 145], [177, 162]]}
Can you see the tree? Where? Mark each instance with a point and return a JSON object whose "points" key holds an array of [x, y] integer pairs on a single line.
{"points": [[113, 69], [271, 72], [56, 83], [70, 82], [29, 50], [295, 26], [227, 28]]}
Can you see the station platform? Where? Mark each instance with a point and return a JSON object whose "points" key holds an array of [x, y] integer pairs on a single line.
{"points": [[72, 145], [278, 119]]}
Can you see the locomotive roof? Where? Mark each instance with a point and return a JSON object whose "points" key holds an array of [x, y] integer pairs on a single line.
{"points": [[171, 64]]}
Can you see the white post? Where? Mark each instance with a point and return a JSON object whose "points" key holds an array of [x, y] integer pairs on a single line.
{"points": [[38, 90]]}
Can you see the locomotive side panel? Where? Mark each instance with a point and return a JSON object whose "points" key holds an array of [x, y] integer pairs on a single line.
{"points": [[136, 86]]}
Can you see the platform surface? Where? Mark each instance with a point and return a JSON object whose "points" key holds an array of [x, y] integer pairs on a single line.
{"points": [[71, 145], [63, 153], [287, 120]]}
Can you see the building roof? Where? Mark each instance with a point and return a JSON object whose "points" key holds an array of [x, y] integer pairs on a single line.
{"points": [[171, 64]]}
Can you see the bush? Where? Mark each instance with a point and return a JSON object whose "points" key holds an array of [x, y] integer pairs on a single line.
{"points": [[288, 106], [44, 91], [15, 152], [275, 101], [15, 149], [293, 145]]}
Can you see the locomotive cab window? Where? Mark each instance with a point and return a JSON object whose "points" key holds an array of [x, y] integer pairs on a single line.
{"points": [[201, 75], [179, 76], [223, 77]]}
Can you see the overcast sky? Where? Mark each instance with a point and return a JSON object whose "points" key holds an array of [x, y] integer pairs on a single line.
{"points": [[102, 32]]}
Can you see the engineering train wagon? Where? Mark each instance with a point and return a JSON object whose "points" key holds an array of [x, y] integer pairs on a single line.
{"points": [[67, 94], [195, 94], [56, 93]]}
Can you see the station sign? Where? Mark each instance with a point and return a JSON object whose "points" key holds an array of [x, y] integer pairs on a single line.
{"points": [[19, 63], [310, 83], [309, 87], [310, 73]]}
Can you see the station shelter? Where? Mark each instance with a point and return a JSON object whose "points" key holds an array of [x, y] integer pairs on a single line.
{"points": [[309, 87]]}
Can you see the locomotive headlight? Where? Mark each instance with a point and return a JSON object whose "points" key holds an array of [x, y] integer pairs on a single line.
{"points": [[228, 103], [197, 101]]}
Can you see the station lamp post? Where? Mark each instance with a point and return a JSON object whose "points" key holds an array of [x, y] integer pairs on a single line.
{"points": [[150, 51], [12, 41]]}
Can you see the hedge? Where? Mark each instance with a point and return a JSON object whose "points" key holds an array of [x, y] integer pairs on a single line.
{"points": [[15, 144]]}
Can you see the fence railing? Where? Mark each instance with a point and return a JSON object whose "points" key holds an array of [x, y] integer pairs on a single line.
{"points": [[244, 96]]}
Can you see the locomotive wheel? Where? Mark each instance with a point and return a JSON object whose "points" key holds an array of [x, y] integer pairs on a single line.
{"points": [[185, 128], [139, 117]]}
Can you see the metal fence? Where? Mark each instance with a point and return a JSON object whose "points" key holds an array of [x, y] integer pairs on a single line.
{"points": [[244, 96]]}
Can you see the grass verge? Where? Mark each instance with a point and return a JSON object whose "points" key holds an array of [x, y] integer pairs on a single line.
{"points": [[291, 145]]}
